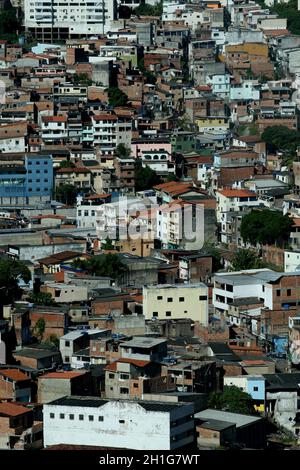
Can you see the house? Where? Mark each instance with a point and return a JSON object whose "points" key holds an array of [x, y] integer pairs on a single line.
{"points": [[18, 429], [196, 376], [124, 424], [77, 340], [15, 385], [65, 293], [176, 301], [38, 357], [131, 378], [54, 385], [254, 385], [52, 264], [144, 348], [250, 431]]}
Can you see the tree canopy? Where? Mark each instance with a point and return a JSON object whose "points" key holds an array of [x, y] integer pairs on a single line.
{"points": [[232, 399], [122, 151], [117, 97], [11, 271], [150, 10], [266, 227], [66, 164], [145, 178], [41, 298], [103, 265], [281, 138], [290, 11], [246, 259], [66, 193]]}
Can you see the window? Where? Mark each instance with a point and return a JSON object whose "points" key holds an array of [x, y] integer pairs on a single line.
{"points": [[278, 292], [288, 292], [168, 314], [181, 299], [71, 417], [170, 299], [135, 385], [154, 314], [124, 376], [159, 297], [67, 359], [111, 376], [121, 421], [255, 389], [100, 418], [91, 418], [124, 391], [62, 416], [80, 417], [52, 415], [203, 297], [67, 344]]}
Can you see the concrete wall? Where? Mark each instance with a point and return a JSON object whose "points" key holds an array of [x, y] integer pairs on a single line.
{"points": [[123, 425]]}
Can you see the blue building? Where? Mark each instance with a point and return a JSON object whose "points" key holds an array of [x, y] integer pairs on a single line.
{"points": [[26, 179]]}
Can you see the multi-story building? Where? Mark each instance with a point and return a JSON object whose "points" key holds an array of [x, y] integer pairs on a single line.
{"points": [[64, 19], [140, 425], [111, 130], [176, 301], [26, 179]]}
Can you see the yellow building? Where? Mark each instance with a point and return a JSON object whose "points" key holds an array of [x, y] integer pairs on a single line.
{"points": [[176, 301]]}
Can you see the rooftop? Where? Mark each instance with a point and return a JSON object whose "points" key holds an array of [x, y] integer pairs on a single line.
{"points": [[232, 418], [143, 342]]}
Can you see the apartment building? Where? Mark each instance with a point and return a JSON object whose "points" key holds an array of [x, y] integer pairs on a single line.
{"points": [[234, 200], [176, 301], [66, 19], [111, 130]]}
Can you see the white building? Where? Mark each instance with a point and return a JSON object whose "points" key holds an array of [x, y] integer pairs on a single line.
{"points": [[158, 161], [54, 129], [220, 84], [234, 200], [176, 301], [124, 424], [62, 19], [247, 90], [256, 283], [111, 130], [291, 261], [180, 224]]}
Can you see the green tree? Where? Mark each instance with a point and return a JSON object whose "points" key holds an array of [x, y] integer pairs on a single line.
{"points": [[108, 244], [66, 164], [103, 265], [289, 11], [232, 399], [122, 151], [54, 340], [41, 298], [266, 227], [11, 272], [66, 193], [82, 79], [150, 10], [145, 178], [281, 138], [246, 259], [9, 22], [40, 327], [117, 97]]}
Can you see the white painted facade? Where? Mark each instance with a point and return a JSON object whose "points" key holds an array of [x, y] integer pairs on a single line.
{"points": [[291, 261], [79, 17], [121, 424]]}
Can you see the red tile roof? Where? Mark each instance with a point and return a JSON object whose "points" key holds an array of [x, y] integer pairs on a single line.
{"points": [[12, 409], [14, 374], [113, 366], [237, 193], [62, 375]]}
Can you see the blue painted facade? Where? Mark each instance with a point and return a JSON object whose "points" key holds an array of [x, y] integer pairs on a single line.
{"points": [[33, 179], [256, 387], [39, 175]]}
